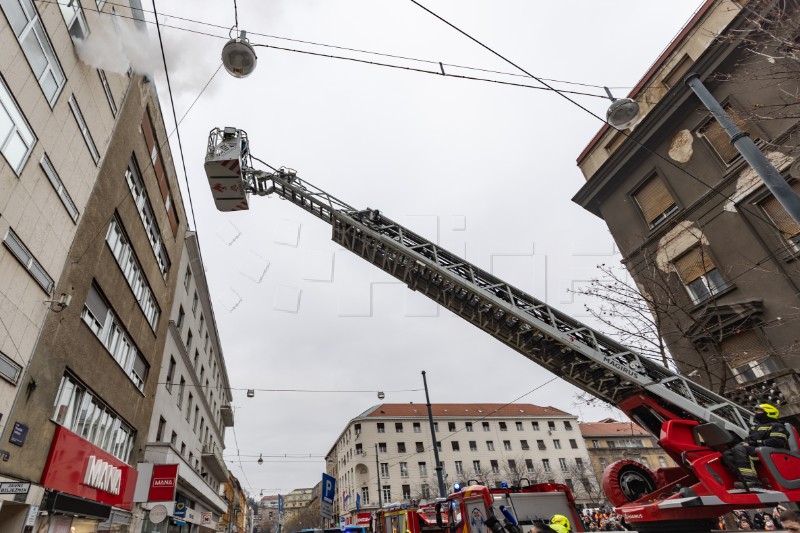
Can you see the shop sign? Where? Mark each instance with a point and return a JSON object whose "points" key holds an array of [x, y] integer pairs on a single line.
{"points": [[14, 488], [363, 519], [163, 483], [206, 520], [18, 434], [33, 512], [158, 514], [77, 467]]}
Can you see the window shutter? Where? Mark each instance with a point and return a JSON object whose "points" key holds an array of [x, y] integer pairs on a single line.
{"points": [[97, 305], [719, 139], [743, 348], [694, 264], [654, 199], [785, 224], [149, 134]]}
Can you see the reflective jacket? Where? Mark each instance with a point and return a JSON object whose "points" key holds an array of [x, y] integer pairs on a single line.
{"points": [[772, 434]]}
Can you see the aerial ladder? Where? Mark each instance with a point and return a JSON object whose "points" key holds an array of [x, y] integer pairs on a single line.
{"points": [[693, 424]]}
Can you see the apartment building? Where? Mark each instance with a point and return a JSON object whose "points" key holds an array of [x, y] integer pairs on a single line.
{"points": [[713, 252], [386, 454], [192, 405], [91, 209]]}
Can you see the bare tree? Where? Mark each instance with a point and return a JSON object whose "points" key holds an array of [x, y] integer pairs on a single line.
{"points": [[586, 485], [305, 518]]}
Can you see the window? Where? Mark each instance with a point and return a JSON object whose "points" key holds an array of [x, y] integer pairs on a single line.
{"points": [[573, 444], [195, 299], [535, 426], [107, 90], [748, 356], [9, 369], [459, 467], [196, 358], [181, 390], [403, 469], [785, 224], [423, 469], [611, 444], [381, 447], [524, 445], [398, 427], [196, 417], [401, 447], [419, 447], [101, 319], [87, 135], [30, 263], [476, 466], [381, 428], [473, 446], [490, 445], [546, 465], [563, 464], [454, 444], [719, 140], [507, 445], [425, 491], [173, 440], [512, 465], [162, 424], [451, 426], [699, 274], [417, 428], [387, 493], [595, 443], [187, 279], [662, 462], [494, 466], [385, 469], [158, 166], [485, 426], [35, 43], [655, 201], [551, 426], [503, 426], [568, 483], [58, 185], [436, 427], [518, 425], [189, 346], [364, 496], [132, 272], [557, 444], [567, 425], [529, 465], [439, 445], [579, 462], [541, 445], [75, 19], [644, 461], [189, 408], [181, 318], [170, 373], [81, 412], [468, 426], [134, 179], [406, 492]]}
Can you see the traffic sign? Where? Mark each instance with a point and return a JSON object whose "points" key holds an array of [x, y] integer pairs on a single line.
{"points": [[342, 523], [327, 496]]}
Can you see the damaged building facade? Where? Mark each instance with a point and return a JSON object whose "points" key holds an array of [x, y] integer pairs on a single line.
{"points": [[712, 251]]}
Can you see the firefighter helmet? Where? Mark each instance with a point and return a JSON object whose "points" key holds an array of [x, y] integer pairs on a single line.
{"points": [[560, 523], [770, 410]]}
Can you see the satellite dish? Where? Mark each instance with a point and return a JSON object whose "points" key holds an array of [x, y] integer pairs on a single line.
{"points": [[238, 56], [622, 113]]}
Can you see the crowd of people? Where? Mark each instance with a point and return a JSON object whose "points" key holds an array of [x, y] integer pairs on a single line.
{"points": [[759, 520], [603, 520]]}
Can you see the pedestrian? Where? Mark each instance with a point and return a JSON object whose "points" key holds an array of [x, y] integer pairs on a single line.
{"points": [[767, 431], [758, 520], [790, 520]]}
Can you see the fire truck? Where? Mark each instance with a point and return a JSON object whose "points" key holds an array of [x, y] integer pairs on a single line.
{"points": [[693, 424], [413, 518]]}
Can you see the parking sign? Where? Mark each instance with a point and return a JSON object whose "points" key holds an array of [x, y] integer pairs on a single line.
{"points": [[326, 498]]}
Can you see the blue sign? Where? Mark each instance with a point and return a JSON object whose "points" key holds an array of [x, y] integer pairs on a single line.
{"points": [[328, 488], [180, 509], [18, 434]]}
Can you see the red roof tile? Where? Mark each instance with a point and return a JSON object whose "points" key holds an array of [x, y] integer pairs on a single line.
{"points": [[471, 410]]}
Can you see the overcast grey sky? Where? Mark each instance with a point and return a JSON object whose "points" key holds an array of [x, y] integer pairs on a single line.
{"points": [[486, 169]]}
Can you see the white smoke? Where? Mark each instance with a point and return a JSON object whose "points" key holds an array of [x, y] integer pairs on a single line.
{"points": [[115, 45]]}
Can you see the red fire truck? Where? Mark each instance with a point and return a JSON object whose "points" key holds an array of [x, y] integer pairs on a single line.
{"points": [[401, 518]]}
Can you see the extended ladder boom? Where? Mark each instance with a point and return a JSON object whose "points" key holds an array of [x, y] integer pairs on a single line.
{"points": [[577, 353]]}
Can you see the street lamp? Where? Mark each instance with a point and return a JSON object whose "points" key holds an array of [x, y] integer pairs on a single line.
{"points": [[260, 459], [622, 112], [238, 57]]}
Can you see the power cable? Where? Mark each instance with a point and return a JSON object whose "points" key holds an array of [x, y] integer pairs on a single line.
{"points": [[236, 441], [211, 386]]}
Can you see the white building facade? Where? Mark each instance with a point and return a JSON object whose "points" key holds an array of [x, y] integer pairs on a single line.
{"points": [[386, 453], [192, 406]]}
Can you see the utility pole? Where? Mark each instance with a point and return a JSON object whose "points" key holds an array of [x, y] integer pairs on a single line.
{"points": [[439, 477], [378, 470], [744, 144]]}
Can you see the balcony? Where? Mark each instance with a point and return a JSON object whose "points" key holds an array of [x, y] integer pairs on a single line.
{"points": [[213, 461], [227, 415]]}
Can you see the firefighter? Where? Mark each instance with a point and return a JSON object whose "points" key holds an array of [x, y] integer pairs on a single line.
{"points": [[560, 524], [767, 431]]}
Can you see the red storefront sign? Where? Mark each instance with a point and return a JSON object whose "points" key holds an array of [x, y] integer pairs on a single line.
{"points": [[77, 467], [162, 484], [363, 519]]}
